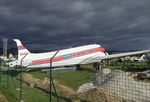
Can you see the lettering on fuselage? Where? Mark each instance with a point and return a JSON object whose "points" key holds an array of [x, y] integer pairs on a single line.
{"points": [[23, 53]]}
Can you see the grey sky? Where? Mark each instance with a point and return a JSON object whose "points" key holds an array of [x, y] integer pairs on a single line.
{"points": [[52, 24]]}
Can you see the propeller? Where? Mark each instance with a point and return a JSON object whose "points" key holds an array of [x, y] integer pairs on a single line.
{"points": [[12, 62]]}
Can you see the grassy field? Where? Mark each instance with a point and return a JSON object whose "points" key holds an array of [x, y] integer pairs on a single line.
{"points": [[11, 88], [72, 79], [10, 85], [128, 66]]}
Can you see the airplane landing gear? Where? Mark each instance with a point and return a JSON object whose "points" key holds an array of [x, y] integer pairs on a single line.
{"points": [[97, 66], [78, 67]]}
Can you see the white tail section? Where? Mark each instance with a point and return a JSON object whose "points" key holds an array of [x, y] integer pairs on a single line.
{"points": [[22, 51]]}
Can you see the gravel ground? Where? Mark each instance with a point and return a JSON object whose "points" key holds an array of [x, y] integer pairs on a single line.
{"points": [[124, 85]]}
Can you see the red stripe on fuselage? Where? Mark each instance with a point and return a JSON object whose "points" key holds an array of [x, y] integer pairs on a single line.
{"points": [[72, 55], [59, 58]]}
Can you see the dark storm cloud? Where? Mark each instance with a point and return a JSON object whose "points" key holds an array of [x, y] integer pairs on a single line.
{"points": [[53, 24]]}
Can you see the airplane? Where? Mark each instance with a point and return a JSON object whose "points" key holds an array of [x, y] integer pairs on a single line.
{"points": [[92, 53], [139, 59]]}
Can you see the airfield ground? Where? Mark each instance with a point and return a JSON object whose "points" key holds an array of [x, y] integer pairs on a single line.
{"points": [[73, 79], [11, 87]]}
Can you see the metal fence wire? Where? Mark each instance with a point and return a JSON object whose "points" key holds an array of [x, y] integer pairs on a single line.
{"points": [[114, 82]]}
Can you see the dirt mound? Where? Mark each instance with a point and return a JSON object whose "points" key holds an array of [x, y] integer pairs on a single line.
{"points": [[85, 87], [70, 95], [101, 95], [141, 75], [3, 98], [62, 90]]}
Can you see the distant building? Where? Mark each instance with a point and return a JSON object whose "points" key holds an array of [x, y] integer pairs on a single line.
{"points": [[3, 58]]}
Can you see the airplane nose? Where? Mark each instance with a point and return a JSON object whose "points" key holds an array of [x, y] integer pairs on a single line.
{"points": [[102, 49]]}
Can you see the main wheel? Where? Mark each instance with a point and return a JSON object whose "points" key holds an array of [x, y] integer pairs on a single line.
{"points": [[96, 66], [78, 67]]}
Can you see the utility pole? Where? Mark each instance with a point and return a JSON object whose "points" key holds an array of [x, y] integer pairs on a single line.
{"points": [[5, 40]]}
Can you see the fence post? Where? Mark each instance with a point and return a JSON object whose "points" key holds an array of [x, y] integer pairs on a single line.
{"points": [[51, 80], [21, 100], [0, 72]]}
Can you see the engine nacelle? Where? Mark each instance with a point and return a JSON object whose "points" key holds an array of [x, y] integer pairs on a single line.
{"points": [[13, 64]]}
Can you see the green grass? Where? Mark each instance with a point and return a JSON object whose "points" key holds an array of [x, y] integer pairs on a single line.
{"points": [[128, 66], [72, 79], [10, 97], [28, 94]]}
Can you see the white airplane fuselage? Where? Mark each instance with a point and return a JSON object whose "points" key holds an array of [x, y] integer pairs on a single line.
{"points": [[66, 57]]}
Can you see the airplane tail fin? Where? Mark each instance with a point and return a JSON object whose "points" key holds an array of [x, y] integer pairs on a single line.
{"points": [[22, 51]]}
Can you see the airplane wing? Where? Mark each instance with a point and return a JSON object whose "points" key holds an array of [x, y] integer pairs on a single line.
{"points": [[99, 58]]}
